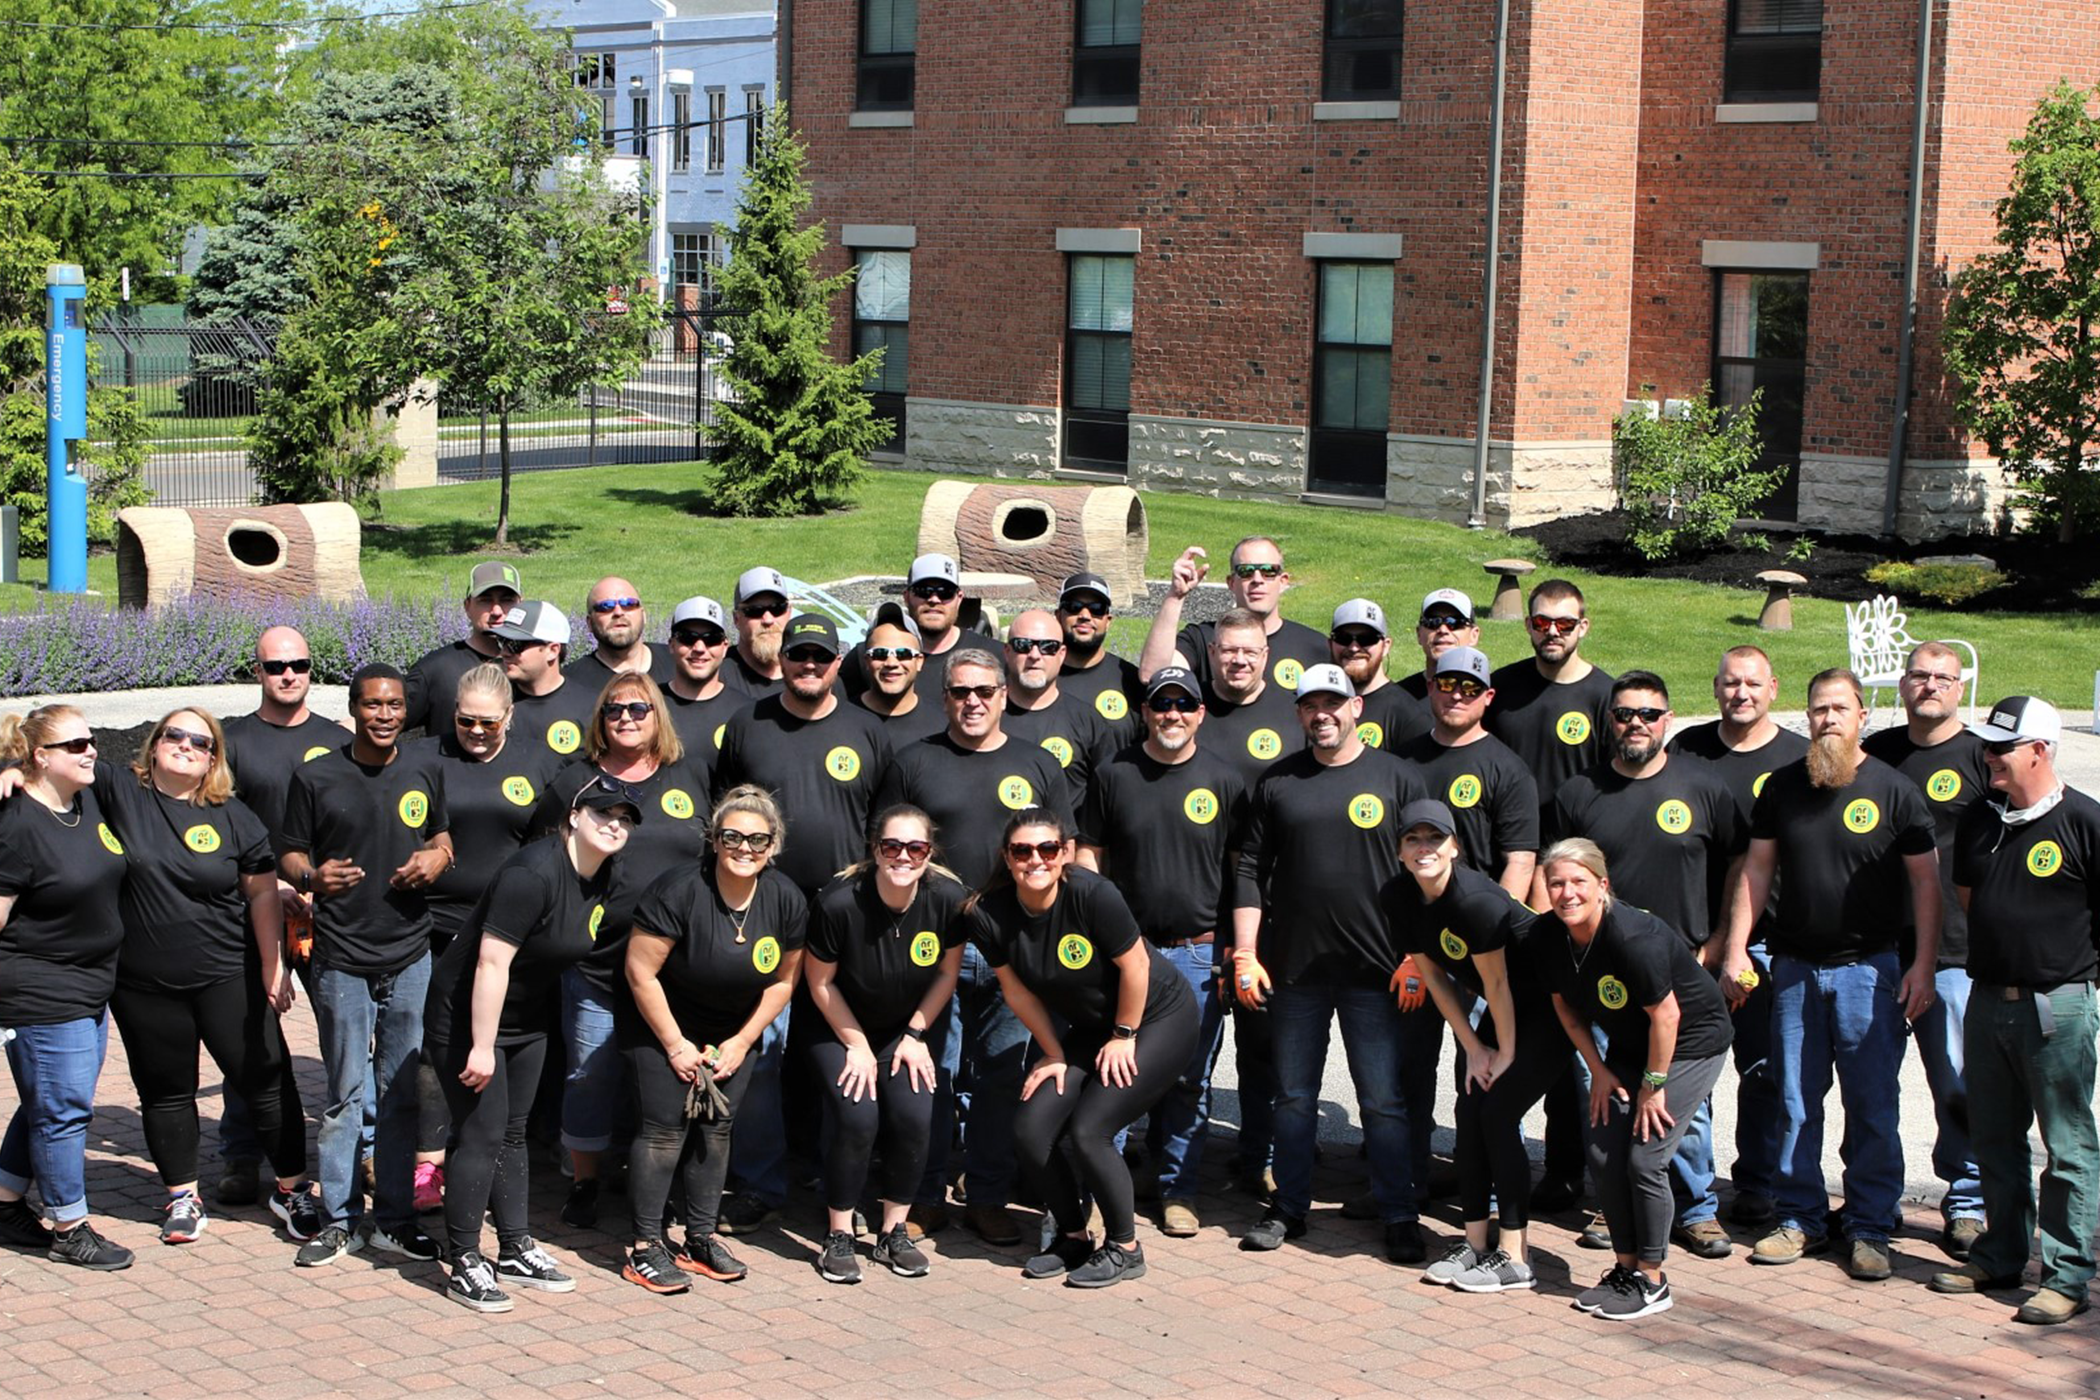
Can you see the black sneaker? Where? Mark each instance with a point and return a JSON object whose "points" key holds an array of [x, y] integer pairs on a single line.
{"points": [[20, 1225], [529, 1266], [473, 1285], [744, 1212], [1617, 1279], [581, 1209], [298, 1209], [837, 1262], [326, 1246], [81, 1245], [902, 1257], [1638, 1298], [1272, 1230], [1106, 1265], [236, 1185], [651, 1266], [1063, 1255], [404, 1242], [185, 1219], [710, 1258], [1403, 1242]]}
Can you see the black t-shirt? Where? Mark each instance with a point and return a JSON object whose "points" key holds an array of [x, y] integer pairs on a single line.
{"points": [[739, 675], [1292, 647], [1490, 793], [825, 773], [1557, 730], [1415, 683], [58, 950], [701, 724], [594, 675], [262, 758], [1254, 735], [1846, 893], [185, 917], [491, 805], [378, 818], [556, 721], [1320, 843], [1111, 688], [433, 685], [1668, 838], [2034, 891], [887, 960], [1630, 966], [1474, 915], [1743, 773], [922, 721], [1072, 733], [1167, 832], [1392, 718], [720, 962], [541, 906], [1953, 778], [971, 794], [1066, 954]]}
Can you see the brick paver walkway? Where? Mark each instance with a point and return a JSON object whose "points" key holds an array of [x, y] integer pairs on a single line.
{"points": [[1328, 1316]]}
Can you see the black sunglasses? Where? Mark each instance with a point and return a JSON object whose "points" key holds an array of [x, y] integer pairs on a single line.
{"points": [[1093, 607], [706, 637], [202, 743], [756, 842], [1464, 687], [1998, 748], [1442, 622], [755, 611], [1355, 640], [893, 654], [1250, 570], [964, 692], [1048, 646], [889, 847], [513, 647], [297, 667], [934, 590], [81, 745], [1173, 704], [1043, 850], [636, 710], [808, 656], [1627, 714]]}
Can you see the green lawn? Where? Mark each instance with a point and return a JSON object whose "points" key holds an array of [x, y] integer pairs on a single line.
{"points": [[569, 528]]}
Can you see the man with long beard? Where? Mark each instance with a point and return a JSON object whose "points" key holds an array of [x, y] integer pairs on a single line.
{"points": [[1855, 841]]}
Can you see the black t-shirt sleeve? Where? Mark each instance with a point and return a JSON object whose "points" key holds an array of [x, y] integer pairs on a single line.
{"points": [[519, 901], [1916, 835], [251, 842], [299, 815]]}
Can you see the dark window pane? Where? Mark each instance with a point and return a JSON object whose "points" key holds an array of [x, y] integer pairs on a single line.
{"points": [[1347, 463], [1100, 371], [885, 84], [1108, 23], [889, 26], [1097, 443], [1104, 78], [1363, 19], [1778, 16]]}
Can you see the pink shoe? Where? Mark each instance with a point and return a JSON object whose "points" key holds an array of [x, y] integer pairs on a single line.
{"points": [[430, 1186]]}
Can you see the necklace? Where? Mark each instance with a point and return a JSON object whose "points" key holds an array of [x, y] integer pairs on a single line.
{"points": [[60, 819], [740, 917], [901, 916]]}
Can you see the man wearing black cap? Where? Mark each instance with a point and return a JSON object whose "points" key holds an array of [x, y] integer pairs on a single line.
{"points": [[700, 702], [1446, 622], [1162, 819], [761, 603], [493, 590], [545, 707], [2027, 863], [1091, 672], [1039, 713], [619, 623], [1359, 643], [1257, 581]]}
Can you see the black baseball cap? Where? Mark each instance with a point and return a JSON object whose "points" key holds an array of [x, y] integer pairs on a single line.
{"points": [[811, 630], [603, 794], [1427, 811]]}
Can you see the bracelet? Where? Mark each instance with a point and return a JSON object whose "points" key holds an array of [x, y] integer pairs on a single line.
{"points": [[1653, 1080], [914, 1034]]}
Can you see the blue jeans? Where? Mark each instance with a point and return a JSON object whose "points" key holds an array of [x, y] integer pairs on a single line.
{"points": [[371, 1031], [1844, 1019], [1757, 1107], [55, 1069], [590, 1099], [1299, 1017], [1938, 1036], [1181, 1121], [983, 1059], [758, 1147]]}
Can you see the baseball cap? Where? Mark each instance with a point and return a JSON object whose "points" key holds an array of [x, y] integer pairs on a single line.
{"points": [[810, 630], [752, 582], [1464, 661], [1173, 677], [937, 566], [2021, 719], [603, 794], [1361, 612], [1449, 598], [700, 609], [1427, 811], [1085, 583], [1324, 679], [493, 573], [535, 621], [894, 615]]}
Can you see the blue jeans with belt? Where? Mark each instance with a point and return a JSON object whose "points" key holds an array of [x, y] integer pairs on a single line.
{"points": [[1842, 1019], [55, 1069]]}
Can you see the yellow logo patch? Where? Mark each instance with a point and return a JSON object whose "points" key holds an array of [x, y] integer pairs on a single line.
{"points": [[518, 791], [563, 736], [1464, 790], [1074, 951], [1372, 733], [720, 730], [1112, 704], [2045, 859], [676, 804], [1611, 992], [597, 920], [1943, 786], [1200, 806], [1674, 817], [1757, 789], [315, 752], [1015, 792], [414, 807], [109, 838], [1366, 810], [1573, 728], [843, 764], [1264, 744], [201, 839], [765, 954], [1863, 816], [926, 948], [1287, 673], [1060, 749], [1454, 947]]}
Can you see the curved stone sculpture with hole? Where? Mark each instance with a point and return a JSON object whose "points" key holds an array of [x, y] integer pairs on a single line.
{"points": [[1042, 532], [165, 553]]}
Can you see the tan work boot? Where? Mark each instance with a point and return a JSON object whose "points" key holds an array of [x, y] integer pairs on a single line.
{"points": [[1178, 1220], [2049, 1307]]}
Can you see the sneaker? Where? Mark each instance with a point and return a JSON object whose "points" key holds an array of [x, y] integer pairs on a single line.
{"points": [[1404, 1243], [404, 1242], [1455, 1261], [430, 1187], [1554, 1194], [1751, 1208], [1617, 1279], [1704, 1239], [743, 1213], [927, 1218], [1256, 1183], [1109, 1264], [1638, 1298], [1495, 1272], [20, 1225], [652, 1267], [186, 1219], [1785, 1245], [82, 1246], [1868, 1260], [993, 1224], [581, 1209], [236, 1185], [1362, 1207], [529, 1266], [836, 1262], [900, 1255], [1970, 1278], [1178, 1220], [473, 1285], [710, 1258], [1960, 1236], [2049, 1307], [298, 1209], [1061, 1256], [1272, 1230], [327, 1245], [1596, 1234]]}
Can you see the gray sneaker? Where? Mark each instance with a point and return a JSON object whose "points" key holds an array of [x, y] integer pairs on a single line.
{"points": [[1617, 1279], [837, 1262], [1456, 1260], [900, 1255], [1638, 1298], [1495, 1272]]}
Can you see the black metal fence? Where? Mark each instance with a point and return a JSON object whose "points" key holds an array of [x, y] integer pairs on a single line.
{"points": [[195, 382]]}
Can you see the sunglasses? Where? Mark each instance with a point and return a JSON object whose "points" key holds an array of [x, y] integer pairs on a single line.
{"points": [[636, 710], [1627, 714], [889, 848], [1048, 646], [601, 783], [1041, 850], [755, 611], [1087, 606], [808, 656], [1173, 704], [476, 723], [964, 692], [708, 638], [1251, 570], [1442, 622], [200, 742], [1464, 687], [513, 647], [74, 746], [756, 842], [1998, 748], [1355, 641], [297, 667], [934, 591], [893, 654], [1563, 625], [610, 605]]}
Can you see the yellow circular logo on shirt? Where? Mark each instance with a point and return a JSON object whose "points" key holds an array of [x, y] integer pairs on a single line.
{"points": [[2044, 859], [1200, 806], [1757, 789], [201, 839], [414, 807], [842, 764], [1287, 672], [1464, 790], [109, 838], [1943, 786], [1015, 792], [1111, 704], [765, 954], [676, 803], [563, 736], [1264, 744], [720, 730], [597, 919], [1674, 817], [1573, 728], [1060, 749], [1074, 951], [1366, 810], [1611, 992], [926, 948], [1863, 816], [1454, 947], [1372, 733], [315, 752], [518, 791]]}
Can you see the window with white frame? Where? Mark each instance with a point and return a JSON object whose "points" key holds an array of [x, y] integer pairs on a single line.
{"points": [[681, 131], [717, 133], [638, 130], [754, 121]]}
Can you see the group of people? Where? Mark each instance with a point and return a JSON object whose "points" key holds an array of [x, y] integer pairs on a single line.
{"points": [[953, 913]]}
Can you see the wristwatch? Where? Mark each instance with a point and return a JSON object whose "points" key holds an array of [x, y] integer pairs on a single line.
{"points": [[1126, 1032], [914, 1033]]}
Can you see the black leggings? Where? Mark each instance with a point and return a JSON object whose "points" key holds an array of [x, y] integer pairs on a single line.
{"points": [[230, 1018], [899, 1114], [486, 1172], [1089, 1114], [1490, 1155], [693, 1150], [433, 1105]]}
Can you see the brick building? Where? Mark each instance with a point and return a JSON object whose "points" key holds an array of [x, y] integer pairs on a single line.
{"points": [[1236, 246]]}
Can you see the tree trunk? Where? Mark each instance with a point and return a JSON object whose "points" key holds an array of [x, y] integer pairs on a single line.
{"points": [[503, 470]]}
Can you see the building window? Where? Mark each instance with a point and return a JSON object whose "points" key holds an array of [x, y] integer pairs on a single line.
{"points": [[638, 133], [1775, 51], [694, 258], [595, 70], [889, 43], [1105, 53], [754, 122], [682, 131], [1362, 62], [1097, 362], [1352, 378], [717, 135], [1761, 343], [881, 321]]}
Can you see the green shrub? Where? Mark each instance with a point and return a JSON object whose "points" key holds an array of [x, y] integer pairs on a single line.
{"points": [[1952, 584], [1685, 480]]}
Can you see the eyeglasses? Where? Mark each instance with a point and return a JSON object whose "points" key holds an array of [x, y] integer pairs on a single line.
{"points": [[1355, 640], [202, 743], [74, 746], [1563, 625], [1173, 704], [807, 656], [608, 605], [755, 611], [689, 638], [476, 723], [964, 692], [1931, 680], [1241, 653], [1041, 850], [1464, 687], [1251, 570], [297, 667], [934, 590], [1048, 646], [893, 654], [756, 842], [1442, 622], [1091, 607], [889, 848], [636, 710], [1627, 714]]}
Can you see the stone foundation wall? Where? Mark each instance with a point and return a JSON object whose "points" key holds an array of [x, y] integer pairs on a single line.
{"points": [[1939, 497], [980, 439], [1432, 478], [1240, 461]]}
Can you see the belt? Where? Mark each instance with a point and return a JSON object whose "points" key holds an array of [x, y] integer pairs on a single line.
{"points": [[2044, 1010], [1198, 941]]}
